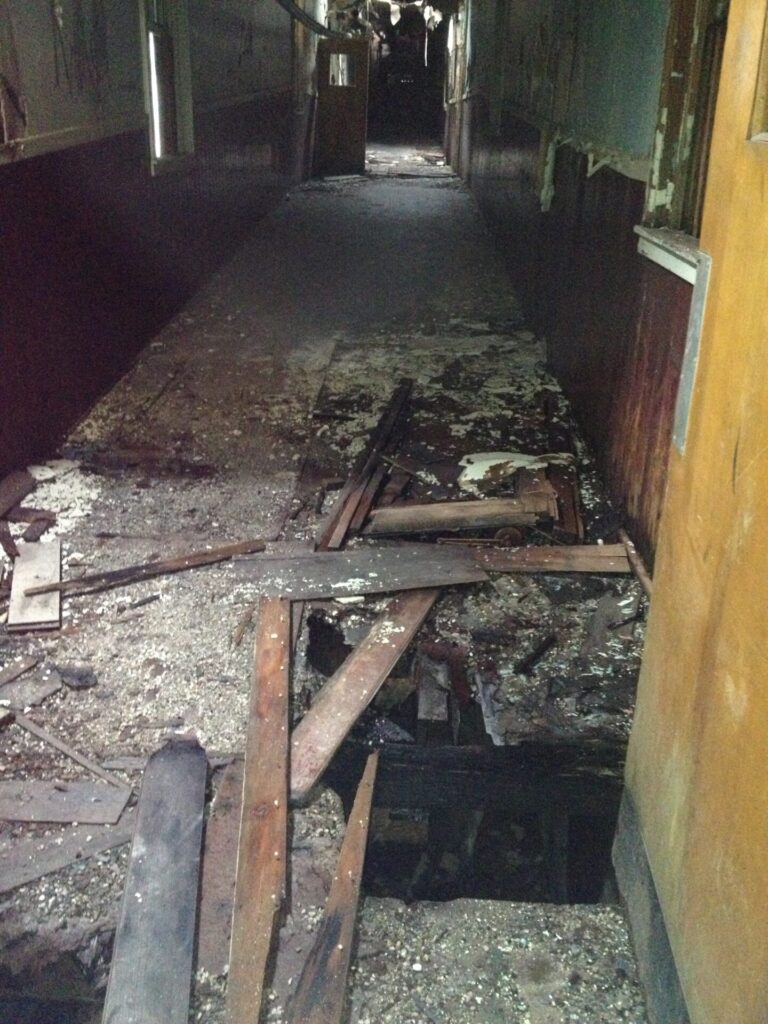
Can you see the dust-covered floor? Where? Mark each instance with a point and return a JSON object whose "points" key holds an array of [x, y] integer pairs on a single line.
{"points": [[234, 425]]}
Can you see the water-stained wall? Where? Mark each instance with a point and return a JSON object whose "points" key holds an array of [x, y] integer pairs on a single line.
{"points": [[96, 253]]}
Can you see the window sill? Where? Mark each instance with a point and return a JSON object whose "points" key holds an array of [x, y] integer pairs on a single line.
{"points": [[675, 251]]}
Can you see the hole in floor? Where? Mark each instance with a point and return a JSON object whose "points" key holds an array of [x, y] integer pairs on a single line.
{"points": [[531, 823], [61, 992]]}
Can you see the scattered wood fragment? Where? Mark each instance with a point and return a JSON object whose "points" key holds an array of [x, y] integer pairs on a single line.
{"points": [[384, 437], [37, 569], [84, 802], [363, 570], [262, 847], [243, 623], [594, 558], [14, 488], [458, 515], [25, 860], [322, 989], [217, 884], [12, 672], [352, 688], [54, 741], [637, 563], [31, 690], [147, 570], [151, 970]]}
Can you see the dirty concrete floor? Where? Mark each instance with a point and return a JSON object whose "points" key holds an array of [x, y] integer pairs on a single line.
{"points": [[291, 351]]}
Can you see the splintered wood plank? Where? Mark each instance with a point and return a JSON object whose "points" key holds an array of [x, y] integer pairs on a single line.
{"points": [[365, 570], [596, 558], [262, 849], [322, 989], [84, 802], [151, 971], [38, 565], [638, 565], [25, 860], [334, 530], [458, 515], [352, 688]]}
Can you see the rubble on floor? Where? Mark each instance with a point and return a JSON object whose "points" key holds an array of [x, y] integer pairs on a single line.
{"points": [[223, 441]]}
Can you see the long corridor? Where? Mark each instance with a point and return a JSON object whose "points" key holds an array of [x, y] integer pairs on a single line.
{"points": [[239, 422]]}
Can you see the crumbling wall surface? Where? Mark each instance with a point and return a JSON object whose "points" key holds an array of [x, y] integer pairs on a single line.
{"points": [[95, 253], [697, 754], [564, 101]]}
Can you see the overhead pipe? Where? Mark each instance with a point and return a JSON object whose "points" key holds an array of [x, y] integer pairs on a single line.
{"points": [[308, 21]]}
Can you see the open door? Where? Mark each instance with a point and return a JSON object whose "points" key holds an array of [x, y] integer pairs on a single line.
{"points": [[342, 106]]}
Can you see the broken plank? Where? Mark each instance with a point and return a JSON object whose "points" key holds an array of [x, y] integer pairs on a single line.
{"points": [[83, 802], [151, 970], [38, 566], [65, 748], [458, 515], [11, 672], [25, 860], [322, 989], [217, 885], [148, 570], [638, 565], [14, 488], [7, 543], [363, 570], [333, 531], [262, 846], [352, 687], [595, 558], [367, 499]]}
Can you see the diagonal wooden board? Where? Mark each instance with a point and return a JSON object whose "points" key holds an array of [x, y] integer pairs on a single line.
{"points": [[363, 570], [351, 689], [84, 802], [25, 860], [151, 970], [322, 989], [446, 516], [262, 848], [38, 564]]}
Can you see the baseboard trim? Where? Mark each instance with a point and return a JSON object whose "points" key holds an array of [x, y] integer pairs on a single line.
{"points": [[656, 965]]}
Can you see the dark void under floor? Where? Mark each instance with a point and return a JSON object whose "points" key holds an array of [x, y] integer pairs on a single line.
{"points": [[230, 427]]}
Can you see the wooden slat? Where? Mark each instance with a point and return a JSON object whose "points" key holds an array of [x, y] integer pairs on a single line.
{"points": [[24, 860], [11, 672], [148, 570], [367, 499], [262, 848], [638, 565], [85, 802], [351, 689], [151, 970], [596, 558], [458, 515], [363, 570], [38, 565], [333, 531], [322, 989], [65, 748]]}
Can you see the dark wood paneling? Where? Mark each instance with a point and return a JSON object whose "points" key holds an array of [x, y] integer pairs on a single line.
{"points": [[96, 255], [614, 322]]}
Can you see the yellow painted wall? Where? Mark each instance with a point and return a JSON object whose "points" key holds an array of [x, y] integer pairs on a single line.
{"points": [[698, 765]]}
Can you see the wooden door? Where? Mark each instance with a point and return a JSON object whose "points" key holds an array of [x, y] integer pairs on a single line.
{"points": [[342, 106]]}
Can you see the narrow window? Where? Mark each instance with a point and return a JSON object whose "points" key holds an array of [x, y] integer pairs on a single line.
{"points": [[168, 81], [342, 71]]}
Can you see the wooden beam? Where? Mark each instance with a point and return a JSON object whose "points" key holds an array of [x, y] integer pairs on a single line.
{"points": [[322, 989], [637, 563], [151, 971], [372, 569], [262, 849], [458, 515], [596, 558], [352, 688]]}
